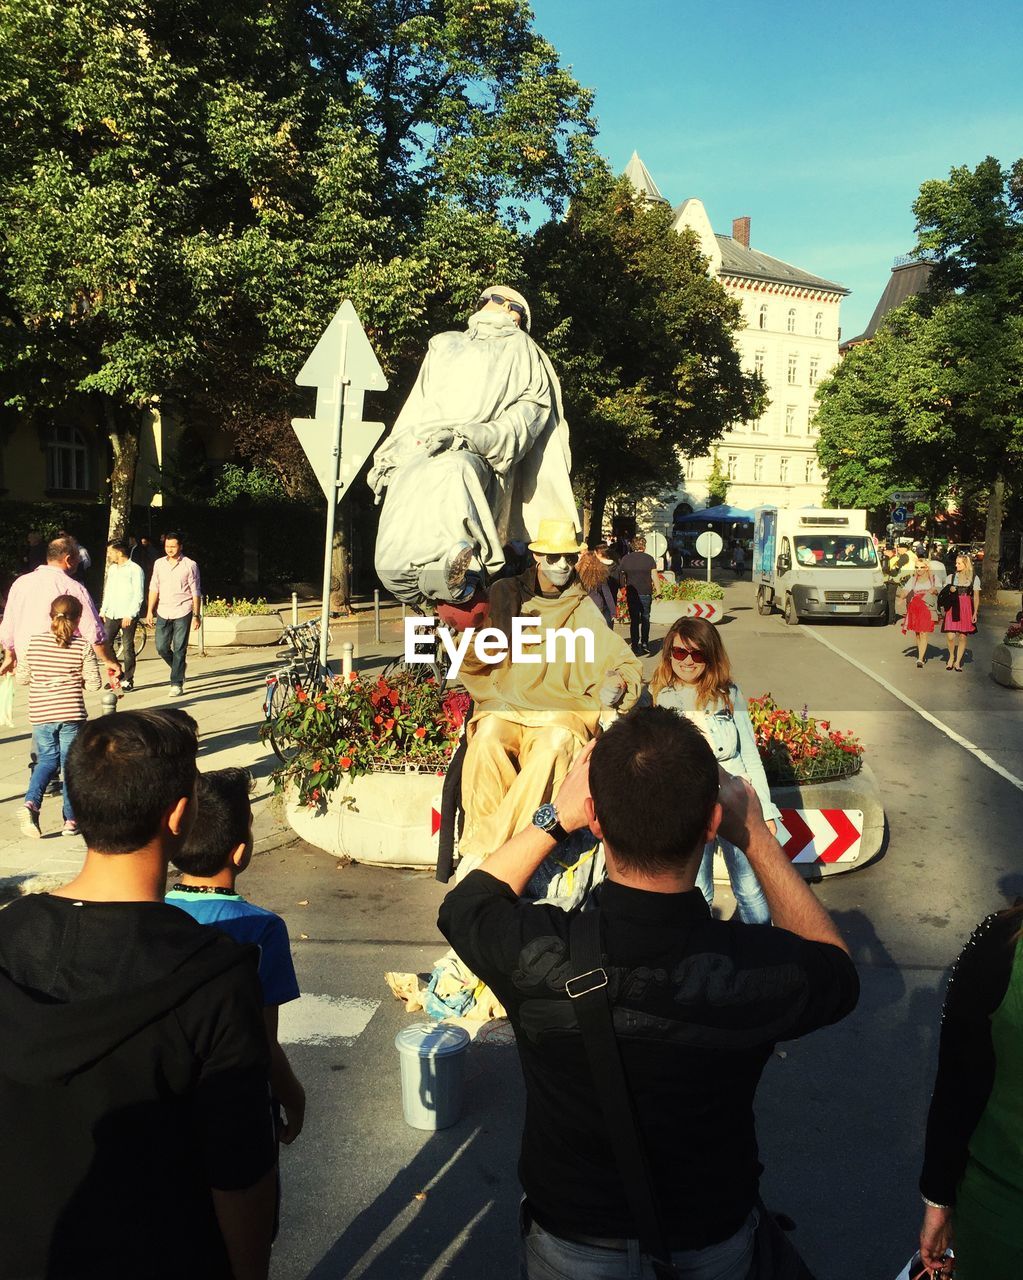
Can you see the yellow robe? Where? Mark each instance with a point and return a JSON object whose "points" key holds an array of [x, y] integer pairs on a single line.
{"points": [[530, 720]]}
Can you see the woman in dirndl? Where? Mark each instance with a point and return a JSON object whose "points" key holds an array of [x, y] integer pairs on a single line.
{"points": [[921, 592], [960, 620]]}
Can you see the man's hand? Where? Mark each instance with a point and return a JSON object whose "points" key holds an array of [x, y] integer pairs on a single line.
{"points": [[126, 622], [570, 801], [742, 818], [113, 672], [9, 663], [612, 690], [293, 1119], [149, 620], [196, 621]]}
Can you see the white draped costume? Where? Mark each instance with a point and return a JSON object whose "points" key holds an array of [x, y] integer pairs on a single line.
{"points": [[507, 464]]}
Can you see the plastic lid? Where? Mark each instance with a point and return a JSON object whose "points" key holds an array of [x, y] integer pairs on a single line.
{"points": [[431, 1039]]}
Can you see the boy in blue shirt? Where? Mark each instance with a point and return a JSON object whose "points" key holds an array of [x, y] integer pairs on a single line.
{"points": [[216, 852]]}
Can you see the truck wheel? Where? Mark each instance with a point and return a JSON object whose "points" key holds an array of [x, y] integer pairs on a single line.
{"points": [[765, 605], [791, 617]]}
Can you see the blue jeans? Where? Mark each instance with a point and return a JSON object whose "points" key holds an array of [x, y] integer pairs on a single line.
{"points": [[51, 743], [547, 1257], [172, 644], [749, 896], [639, 617]]}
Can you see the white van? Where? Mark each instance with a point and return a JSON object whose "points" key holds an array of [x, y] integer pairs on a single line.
{"points": [[814, 563]]}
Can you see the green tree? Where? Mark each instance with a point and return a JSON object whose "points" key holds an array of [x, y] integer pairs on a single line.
{"points": [[935, 400], [717, 482], [643, 341], [187, 192]]}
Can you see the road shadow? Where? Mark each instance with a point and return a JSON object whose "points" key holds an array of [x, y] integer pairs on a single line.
{"points": [[454, 1204]]}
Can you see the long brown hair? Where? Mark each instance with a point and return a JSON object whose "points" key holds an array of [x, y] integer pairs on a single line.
{"points": [[65, 615], [715, 683]]}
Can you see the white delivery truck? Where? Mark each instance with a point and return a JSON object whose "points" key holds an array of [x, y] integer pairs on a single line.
{"points": [[817, 563]]}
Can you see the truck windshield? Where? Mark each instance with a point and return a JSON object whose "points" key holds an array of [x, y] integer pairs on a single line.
{"points": [[822, 551]]}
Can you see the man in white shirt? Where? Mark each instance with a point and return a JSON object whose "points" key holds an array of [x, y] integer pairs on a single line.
{"points": [[123, 594]]}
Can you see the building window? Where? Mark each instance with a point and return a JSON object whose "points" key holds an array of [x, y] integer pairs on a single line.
{"points": [[793, 369], [758, 361], [818, 324], [790, 419], [690, 468], [811, 422], [758, 467], [790, 321], [815, 370], [783, 470], [67, 459], [809, 471], [733, 466], [763, 316], [757, 424]]}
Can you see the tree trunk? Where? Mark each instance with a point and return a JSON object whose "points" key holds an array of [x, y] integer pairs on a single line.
{"points": [[340, 568], [122, 426], [992, 542], [598, 506]]}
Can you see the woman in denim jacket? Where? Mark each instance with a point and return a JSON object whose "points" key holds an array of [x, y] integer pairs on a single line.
{"points": [[694, 679]]}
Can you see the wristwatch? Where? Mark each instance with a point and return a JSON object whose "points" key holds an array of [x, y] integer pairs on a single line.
{"points": [[546, 818]]}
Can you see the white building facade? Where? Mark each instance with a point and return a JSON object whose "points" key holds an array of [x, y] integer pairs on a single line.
{"points": [[790, 335]]}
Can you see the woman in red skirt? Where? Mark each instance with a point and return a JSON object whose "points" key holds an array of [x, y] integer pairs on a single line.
{"points": [[960, 619], [921, 593]]}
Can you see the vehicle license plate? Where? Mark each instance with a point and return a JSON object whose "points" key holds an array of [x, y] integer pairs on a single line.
{"points": [[845, 608]]}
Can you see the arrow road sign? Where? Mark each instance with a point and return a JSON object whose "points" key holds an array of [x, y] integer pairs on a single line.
{"points": [[898, 515], [361, 367], [821, 835]]}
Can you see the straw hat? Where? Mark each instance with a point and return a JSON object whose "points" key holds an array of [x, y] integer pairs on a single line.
{"points": [[557, 537]]}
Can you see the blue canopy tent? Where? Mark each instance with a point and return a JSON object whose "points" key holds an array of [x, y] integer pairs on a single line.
{"points": [[723, 514]]}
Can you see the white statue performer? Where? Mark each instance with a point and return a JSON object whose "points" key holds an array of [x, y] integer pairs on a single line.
{"points": [[478, 453]]}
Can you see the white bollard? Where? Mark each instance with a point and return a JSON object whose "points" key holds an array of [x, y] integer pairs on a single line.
{"points": [[347, 649], [294, 608]]}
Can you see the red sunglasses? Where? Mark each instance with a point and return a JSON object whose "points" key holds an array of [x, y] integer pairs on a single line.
{"points": [[680, 654]]}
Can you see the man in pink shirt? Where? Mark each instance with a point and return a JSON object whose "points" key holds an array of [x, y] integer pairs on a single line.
{"points": [[174, 597], [28, 607]]}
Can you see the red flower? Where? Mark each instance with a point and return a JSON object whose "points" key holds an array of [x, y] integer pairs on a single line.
{"points": [[321, 706], [301, 695], [420, 732], [317, 766], [345, 762], [316, 794], [378, 719], [388, 725]]}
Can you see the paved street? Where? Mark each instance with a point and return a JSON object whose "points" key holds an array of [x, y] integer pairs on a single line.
{"points": [[841, 1114]]}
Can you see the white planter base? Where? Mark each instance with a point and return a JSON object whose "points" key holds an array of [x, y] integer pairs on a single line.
{"points": [[260, 629], [665, 612], [392, 821], [1007, 666]]}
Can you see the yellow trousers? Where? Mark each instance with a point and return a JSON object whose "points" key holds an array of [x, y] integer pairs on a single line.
{"points": [[509, 771]]}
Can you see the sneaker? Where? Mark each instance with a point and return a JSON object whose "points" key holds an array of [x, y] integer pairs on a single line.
{"points": [[70, 828], [176, 690], [29, 822], [127, 686], [456, 567]]}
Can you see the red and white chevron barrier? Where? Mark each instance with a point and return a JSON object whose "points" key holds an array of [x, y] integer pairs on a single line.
{"points": [[707, 609], [821, 835]]}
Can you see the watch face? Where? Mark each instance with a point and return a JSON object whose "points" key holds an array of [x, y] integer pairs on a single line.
{"points": [[545, 817]]}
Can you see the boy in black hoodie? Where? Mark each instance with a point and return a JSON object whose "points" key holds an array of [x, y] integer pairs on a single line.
{"points": [[133, 1066]]}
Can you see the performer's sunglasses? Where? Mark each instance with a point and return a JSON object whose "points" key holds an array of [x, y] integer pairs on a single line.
{"points": [[504, 302], [569, 557], [680, 654]]}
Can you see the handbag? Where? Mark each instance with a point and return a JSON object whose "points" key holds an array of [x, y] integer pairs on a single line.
{"points": [[947, 595], [774, 1256]]}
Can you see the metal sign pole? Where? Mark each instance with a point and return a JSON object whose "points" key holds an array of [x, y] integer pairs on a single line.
{"points": [[340, 382]]}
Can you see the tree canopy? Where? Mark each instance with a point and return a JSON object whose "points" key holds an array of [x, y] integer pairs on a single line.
{"points": [[642, 338], [188, 191], [935, 400]]}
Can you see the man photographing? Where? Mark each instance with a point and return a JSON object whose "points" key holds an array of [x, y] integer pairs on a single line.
{"points": [[697, 1003]]}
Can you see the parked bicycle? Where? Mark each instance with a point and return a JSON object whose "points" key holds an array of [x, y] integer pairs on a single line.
{"points": [[438, 665], [141, 635], [301, 671]]}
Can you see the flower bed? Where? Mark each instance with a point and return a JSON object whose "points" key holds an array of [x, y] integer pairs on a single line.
{"points": [[1014, 636], [354, 727], [221, 608], [797, 748], [1007, 658], [688, 589]]}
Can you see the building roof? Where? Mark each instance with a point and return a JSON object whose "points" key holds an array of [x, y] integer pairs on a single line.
{"points": [[738, 260], [909, 277], [639, 175]]}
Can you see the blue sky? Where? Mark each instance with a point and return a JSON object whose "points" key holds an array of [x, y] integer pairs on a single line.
{"points": [[819, 120]]}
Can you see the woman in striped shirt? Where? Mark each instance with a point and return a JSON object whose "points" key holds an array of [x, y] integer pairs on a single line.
{"points": [[59, 665]]}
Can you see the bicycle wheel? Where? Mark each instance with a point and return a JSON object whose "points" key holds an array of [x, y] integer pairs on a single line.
{"points": [[141, 636], [277, 697], [437, 668]]}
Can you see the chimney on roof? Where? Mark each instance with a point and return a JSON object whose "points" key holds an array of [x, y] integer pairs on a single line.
{"points": [[740, 231]]}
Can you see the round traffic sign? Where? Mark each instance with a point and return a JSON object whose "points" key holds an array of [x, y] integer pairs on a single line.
{"points": [[899, 515], [656, 545], [709, 544]]}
